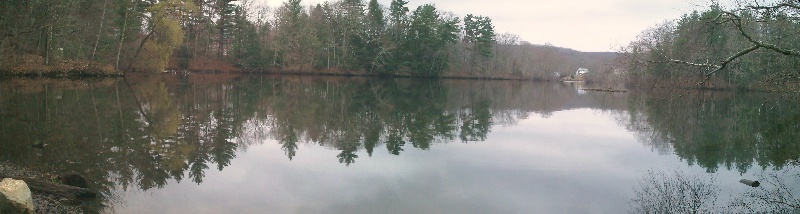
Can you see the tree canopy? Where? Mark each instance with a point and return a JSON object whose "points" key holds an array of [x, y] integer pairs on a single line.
{"points": [[344, 36], [752, 46]]}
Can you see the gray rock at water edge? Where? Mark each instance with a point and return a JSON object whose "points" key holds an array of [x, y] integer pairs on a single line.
{"points": [[751, 183], [73, 179], [15, 197]]}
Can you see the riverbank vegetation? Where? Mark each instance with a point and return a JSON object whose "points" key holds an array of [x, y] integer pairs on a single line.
{"points": [[753, 45], [350, 37]]}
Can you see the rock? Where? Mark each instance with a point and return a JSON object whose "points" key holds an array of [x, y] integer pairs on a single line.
{"points": [[751, 183], [15, 197], [73, 179]]}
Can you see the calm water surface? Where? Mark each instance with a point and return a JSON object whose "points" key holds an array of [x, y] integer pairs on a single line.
{"points": [[267, 144]]}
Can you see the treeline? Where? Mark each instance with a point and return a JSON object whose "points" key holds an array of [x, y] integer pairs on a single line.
{"points": [[346, 36], [754, 46]]}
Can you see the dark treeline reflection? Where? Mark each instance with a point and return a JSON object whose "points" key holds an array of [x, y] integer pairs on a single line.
{"points": [[145, 131], [150, 130], [720, 129], [393, 114]]}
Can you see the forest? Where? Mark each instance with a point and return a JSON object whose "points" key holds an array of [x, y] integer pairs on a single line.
{"points": [[749, 45], [752, 45], [350, 37]]}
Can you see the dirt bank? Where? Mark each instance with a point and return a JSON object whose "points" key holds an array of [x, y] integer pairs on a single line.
{"points": [[34, 65]]}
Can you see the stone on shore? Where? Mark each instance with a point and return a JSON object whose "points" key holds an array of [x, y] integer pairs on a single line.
{"points": [[73, 179], [15, 197]]}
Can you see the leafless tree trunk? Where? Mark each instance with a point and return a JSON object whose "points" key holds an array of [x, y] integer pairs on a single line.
{"points": [[99, 31], [122, 35]]}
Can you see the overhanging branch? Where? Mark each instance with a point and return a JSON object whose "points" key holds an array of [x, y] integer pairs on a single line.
{"points": [[727, 61], [692, 63], [737, 21], [756, 44], [777, 6]]}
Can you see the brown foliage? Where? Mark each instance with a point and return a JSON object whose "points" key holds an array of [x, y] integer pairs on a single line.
{"points": [[34, 65], [37, 85]]}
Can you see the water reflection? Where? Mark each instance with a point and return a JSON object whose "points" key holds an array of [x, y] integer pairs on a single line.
{"points": [[145, 132], [675, 191], [720, 129]]}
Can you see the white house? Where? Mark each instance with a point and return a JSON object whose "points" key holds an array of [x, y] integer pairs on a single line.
{"points": [[581, 71]]}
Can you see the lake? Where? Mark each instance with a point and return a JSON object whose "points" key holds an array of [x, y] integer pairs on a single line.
{"points": [[301, 144]]}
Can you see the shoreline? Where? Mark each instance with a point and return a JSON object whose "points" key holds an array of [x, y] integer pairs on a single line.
{"points": [[42, 202], [5, 75], [81, 75]]}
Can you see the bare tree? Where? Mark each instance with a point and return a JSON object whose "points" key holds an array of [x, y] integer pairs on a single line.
{"points": [[777, 194], [674, 192]]}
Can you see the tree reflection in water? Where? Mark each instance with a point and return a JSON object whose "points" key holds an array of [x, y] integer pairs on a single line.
{"points": [[735, 131], [156, 129], [719, 129], [145, 131]]}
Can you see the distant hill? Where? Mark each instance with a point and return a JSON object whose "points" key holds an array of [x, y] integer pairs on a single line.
{"points": [[544, 61]]}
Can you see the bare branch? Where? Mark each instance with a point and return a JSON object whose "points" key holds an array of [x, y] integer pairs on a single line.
{"points": [[777, 6], [692, 63], [728, 61], [737, 21]]}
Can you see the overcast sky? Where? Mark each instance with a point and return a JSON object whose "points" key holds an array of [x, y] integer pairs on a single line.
{"points": [[584, 25]]}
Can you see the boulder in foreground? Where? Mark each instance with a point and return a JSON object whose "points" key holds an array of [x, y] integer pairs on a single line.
{"points": [[15, 197]]}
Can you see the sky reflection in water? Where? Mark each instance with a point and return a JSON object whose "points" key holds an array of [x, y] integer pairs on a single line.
{"points": [[574, 161], [530, 147]]}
